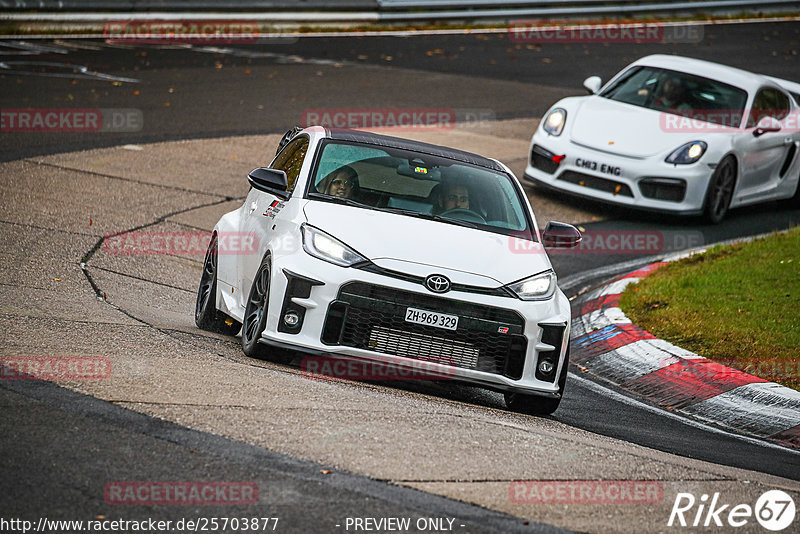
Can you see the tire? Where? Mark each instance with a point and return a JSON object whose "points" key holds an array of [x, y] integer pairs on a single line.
{"points": [[535, 405], [720, 191], [255, 318], [255, 313], [792, 203], [206, 314]]}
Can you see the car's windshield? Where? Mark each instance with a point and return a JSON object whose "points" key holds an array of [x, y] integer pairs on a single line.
{"points": [[680, 93], [419, 185]]}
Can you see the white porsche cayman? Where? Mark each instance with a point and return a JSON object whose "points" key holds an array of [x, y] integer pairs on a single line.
{"points": [[676, 135], [386, 250]]}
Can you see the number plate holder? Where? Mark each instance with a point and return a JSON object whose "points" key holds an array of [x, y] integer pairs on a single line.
{"points": [[429, 318]]}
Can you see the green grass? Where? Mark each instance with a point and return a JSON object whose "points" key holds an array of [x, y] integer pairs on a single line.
{"points": [[738, 305]]}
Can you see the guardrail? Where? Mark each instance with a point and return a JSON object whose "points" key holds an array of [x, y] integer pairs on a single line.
{"points": [[375, 10], [186, 5]]}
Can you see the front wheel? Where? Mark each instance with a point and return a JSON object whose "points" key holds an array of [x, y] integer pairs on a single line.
{"points": [[255, 313], [206, 314], [720, 191]]}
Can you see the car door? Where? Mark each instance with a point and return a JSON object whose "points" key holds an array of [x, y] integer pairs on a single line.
{"points": [[763, 153], [261, 209]]}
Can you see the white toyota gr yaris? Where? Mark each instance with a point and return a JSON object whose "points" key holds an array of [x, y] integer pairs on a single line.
{"points": [[387, 250]]}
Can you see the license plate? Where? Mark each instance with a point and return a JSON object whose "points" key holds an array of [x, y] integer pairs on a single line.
{"points": [[603, 168], [429, 318]]}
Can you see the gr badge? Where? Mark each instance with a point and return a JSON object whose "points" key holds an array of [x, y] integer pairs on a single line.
{"points": [[273, 209]]}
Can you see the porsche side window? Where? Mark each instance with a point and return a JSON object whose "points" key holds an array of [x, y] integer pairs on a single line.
{"points": [[783, 105], [768, 102], [290, 160]]}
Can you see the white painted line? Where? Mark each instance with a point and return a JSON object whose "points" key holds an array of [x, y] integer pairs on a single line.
{"points": [[578, 328], [631, 361], [666, 346], [618, 287], [764, 408], [619, 397], [605, 317]]}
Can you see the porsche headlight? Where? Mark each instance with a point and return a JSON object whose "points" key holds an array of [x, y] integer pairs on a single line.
{"points": [[328, 248], [554, 122], [688, 153], [537, 287]]}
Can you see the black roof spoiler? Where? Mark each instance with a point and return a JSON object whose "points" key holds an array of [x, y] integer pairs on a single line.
{"points": [[288, 136]]}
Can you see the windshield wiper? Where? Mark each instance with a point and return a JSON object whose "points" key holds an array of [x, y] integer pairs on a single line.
{"points": [[429, 216], [401, 211], [339, 200]]}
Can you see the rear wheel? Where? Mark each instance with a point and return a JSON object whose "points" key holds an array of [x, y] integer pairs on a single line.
{"points": [[720, 191], [206, 314], [535, 405], [793, 202]]}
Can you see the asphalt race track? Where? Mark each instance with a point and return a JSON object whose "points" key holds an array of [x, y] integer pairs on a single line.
{"points": [[185, 405]]}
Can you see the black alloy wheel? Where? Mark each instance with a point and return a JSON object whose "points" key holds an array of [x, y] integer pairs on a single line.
{"points": [[206, 314], [720, 191], [255, 313]]}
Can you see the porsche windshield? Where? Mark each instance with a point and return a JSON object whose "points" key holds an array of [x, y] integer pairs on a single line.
{"points": [[680, 93], [419, 185]]}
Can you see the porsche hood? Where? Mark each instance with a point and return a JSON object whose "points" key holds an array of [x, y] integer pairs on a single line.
{"points": [[622, 129]]}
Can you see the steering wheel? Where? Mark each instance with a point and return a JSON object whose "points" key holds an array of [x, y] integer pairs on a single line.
{"points": [[463, 214]]}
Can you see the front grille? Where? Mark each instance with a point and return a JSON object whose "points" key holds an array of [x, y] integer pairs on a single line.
{"points": [[372, 317], [595, 182], [542, 159], [671, 189]]}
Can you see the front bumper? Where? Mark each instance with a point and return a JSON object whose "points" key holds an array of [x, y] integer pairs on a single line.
{"points": [[647, 184], [361, 314]]}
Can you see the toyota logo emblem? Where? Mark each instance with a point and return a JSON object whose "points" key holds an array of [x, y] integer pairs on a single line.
{"points": [[437, 283]]}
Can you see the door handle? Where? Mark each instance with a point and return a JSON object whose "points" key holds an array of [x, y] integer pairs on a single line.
{"points": [[788, 141], [253, 206]]}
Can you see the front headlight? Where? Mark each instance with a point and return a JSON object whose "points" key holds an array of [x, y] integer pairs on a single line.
{"points": [[537, 287], [554, 122], [688, 153], [328, 248]]}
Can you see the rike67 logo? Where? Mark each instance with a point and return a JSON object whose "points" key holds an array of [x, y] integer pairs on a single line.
{"points": [[774, 510]]}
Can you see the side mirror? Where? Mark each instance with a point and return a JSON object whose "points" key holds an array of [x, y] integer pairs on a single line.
{"points": [[593, 84], [767, 125], [270, 181], [561, 235]]}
